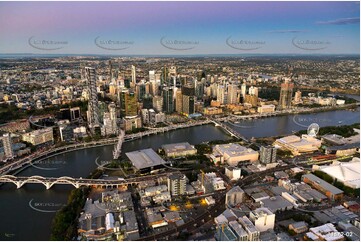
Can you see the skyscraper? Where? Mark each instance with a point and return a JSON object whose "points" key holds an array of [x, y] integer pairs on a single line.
{"points": [[243, 90], [232, 94], [134, 76], [131, 108], [298, 96], [188, 99], [140, 90], [8, 150], [158, 103], [179, 101], [110, 71], [110, 121], [221, 94], [153, 83], [93, 111], [286, 94], [168, 101], [253, 91]]}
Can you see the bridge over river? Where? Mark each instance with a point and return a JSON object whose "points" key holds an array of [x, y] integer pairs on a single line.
{"points": [[48, 182]]}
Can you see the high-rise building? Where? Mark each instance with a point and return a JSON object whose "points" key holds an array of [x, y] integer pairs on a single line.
{"points": [[7, 143], [177, 184], [188, 99], [251, 99], [131, 108], [199, 88], [75, 114], [232, 94], [168, 100], [140, 90], [268, 154], [110, 71], [154, 86], [66, 132], [110, 121], [253, 91], [286, 94], [243, 90], [134, 76], [221, 94], [93, 111], [164, 76], [173, 71], [131, 123], [179, 101], [158, 103], [298, 96], [145, 116]]}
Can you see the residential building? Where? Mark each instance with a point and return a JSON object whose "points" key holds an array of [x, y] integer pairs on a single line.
{"points": [[263, 219], [268, 154], [177, 184], [286, 94], [93, 111], [235, 196], [7, 143]]}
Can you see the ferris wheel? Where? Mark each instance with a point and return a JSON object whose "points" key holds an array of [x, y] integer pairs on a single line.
{"points": [[313, 129]]}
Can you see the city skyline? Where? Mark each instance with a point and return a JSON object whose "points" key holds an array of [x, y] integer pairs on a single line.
{"points": [[180, 28]]}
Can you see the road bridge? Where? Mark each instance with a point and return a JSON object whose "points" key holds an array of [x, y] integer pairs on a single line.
{"points": [[48, 182]]}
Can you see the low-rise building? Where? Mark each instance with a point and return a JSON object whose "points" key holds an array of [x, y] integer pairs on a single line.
{"points": [[297, 145], [346, 172], [233, 153], [252, 231], [179, 149], [326, 188], [263, 219], [233, 173], [298, 227], [238, 230], [211, 183], [212, 111], [326, 232], [146, 159], [276, 203], [39, 137], [266, 108]]}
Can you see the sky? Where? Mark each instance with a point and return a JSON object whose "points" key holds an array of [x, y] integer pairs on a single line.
{"points": [[180, 28]]}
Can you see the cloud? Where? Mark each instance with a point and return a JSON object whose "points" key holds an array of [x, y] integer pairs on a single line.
{"points": [[341, 21], [287, 31]]}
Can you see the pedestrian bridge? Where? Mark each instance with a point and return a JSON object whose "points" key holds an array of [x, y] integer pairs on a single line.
{"points": [[48, 182]]}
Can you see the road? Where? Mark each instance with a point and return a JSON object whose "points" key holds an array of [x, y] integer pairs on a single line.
{"points": [[216, 209]]}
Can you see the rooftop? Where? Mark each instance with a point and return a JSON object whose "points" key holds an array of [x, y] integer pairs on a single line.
{"points": [[144, 158], [325, 185], [177, 147], [276, 203]]}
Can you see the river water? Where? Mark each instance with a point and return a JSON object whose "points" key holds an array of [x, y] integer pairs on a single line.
{"points": [[26, 213]]}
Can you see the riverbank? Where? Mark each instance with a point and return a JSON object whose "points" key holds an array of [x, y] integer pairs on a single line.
{"points": [[111, 141]]}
